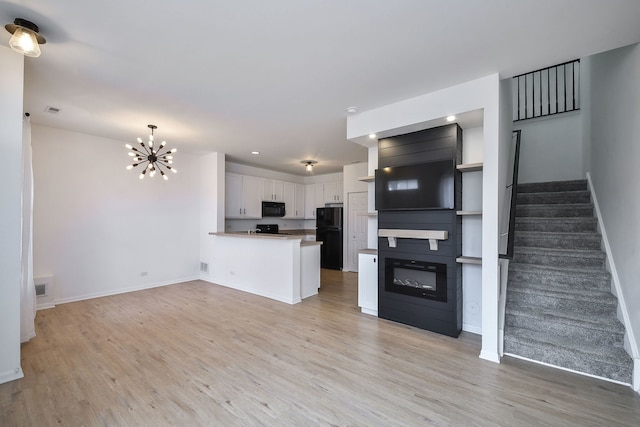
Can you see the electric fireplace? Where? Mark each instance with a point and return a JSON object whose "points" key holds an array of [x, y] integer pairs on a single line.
{"points": [[416, 278]]}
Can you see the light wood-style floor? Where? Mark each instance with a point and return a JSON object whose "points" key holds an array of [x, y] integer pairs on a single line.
{"points": [[200, 354]]}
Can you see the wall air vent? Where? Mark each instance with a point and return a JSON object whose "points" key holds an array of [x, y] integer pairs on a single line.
{"points": [[41, 290]]}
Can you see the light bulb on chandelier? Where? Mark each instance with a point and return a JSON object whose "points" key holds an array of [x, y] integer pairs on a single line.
{"points": [[151, 158]]}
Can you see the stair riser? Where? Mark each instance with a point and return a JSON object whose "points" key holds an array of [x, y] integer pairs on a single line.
{"points": [[569, 360], [599, 281], [560, 242], [558, 211], [560, 261], [547, 187], [599, 337], [553, 198], [529, 300], [556, 226]]}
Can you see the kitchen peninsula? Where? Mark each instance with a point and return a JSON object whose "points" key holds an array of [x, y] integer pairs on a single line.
{"points": [[285, 268]]}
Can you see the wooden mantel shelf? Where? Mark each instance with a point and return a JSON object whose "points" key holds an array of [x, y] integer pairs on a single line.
{"points": [[414, 234]]}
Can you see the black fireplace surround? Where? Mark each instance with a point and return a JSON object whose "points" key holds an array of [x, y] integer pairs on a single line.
{"points": [[418, 286]]}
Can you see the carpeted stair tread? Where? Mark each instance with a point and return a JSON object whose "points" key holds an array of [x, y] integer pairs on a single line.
{"points": [[549, 303], [546, 224], [599, 296], [571, 258], [555, 210], [613, 363], [560, 240], [538, 187], [612, 334], [559, 276], [553, 197], [602, 322]]}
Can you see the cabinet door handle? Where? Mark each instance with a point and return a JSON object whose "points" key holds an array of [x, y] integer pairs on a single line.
{"points": [[240, 211], [245, 211]]}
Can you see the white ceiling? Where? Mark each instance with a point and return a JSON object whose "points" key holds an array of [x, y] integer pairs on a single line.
{"points": [[277, 76]]}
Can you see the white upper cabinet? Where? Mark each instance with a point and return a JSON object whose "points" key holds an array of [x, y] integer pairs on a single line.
{"points": [[333, 192], [294, 200], [243, 196], [299, 201], [313, 198], [273, 190]]}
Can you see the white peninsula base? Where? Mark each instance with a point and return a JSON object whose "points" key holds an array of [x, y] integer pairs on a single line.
{"points": [[283, 268]]}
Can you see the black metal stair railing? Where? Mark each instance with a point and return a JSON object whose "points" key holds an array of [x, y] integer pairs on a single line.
{"points": [[511, 194], [548, 91]]}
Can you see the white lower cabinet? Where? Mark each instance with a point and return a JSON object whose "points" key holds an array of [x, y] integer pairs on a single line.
{"points": [[368, 283]]}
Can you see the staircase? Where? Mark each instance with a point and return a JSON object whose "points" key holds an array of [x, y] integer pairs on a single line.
{"points": [[560, 309]]}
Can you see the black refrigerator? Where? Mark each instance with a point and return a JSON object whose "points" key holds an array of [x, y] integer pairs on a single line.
{"points": [[329, 232]]}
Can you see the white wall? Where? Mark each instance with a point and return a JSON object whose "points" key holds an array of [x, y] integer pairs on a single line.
{"points": [[11, 86], [551, 148], [100, 230], [426, 110], [615, 151], [212, 193]]}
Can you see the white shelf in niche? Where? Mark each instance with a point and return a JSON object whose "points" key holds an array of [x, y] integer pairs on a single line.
{"points": [[367, 178], [368, 214], [470, 167], [469, 260], [469, 213]]}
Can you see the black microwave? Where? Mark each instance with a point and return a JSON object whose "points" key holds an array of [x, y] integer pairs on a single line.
{"points": [[273, 209]]}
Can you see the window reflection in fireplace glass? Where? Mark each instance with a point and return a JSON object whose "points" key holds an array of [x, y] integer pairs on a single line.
{"points": [[413, 278]]}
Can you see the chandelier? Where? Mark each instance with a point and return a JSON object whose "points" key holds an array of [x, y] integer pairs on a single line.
{"points": [[150, 158]]}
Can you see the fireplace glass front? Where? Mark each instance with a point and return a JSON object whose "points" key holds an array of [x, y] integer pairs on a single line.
{"points": [[416, 278]]}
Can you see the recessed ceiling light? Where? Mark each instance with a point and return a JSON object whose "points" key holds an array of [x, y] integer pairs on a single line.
{"points": [[372, 136], [451, 118], [352, 110], [255, 152]]}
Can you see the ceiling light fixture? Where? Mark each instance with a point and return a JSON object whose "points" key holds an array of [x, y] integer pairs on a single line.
{"points": [[308, 164], [255, 152], [151, 158], [451, 118], [25, 38], [352, 110], [372, 136]]}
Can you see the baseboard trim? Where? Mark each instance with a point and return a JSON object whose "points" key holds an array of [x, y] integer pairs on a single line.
{"points": [[279, 298], [369, 311], [124, 290], [616, 283], [515, 356], [491, 356], [11, 375], [471, 328]]}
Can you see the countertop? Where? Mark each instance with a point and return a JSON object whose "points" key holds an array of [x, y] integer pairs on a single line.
{"points": [[290, 236]]}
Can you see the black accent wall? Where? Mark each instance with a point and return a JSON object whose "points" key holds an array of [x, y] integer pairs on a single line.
{"points": [[425, 146]]}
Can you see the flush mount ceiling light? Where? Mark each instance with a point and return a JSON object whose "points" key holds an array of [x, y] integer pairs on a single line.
{"points": [[25, 38], [451, 118], [372, 136], [150, 158], [308, 164]]}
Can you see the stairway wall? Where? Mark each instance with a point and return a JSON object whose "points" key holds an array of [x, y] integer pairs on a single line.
{"points": [[615, 136]]}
